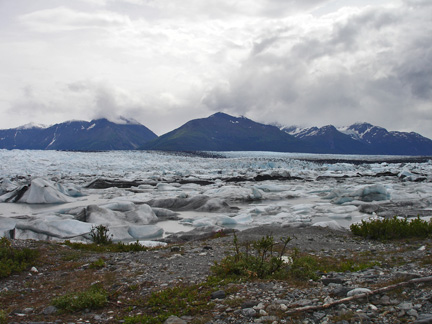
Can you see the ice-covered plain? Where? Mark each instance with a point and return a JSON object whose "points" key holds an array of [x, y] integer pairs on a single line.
{"points": [[142, 195]]}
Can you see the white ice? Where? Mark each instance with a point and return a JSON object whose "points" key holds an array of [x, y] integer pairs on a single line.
{"points": [[58, 205]]}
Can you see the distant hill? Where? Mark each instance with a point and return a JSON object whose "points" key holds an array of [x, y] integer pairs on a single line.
{"points": [[362, 138], [96, 135], [218, 132], [222, 132]]}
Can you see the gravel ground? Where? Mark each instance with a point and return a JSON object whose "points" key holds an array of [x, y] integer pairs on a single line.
{"points": [[27, 297]]}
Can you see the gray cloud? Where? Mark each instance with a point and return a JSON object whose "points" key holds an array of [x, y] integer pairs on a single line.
{"points": [[164, 62], [363, 67]]}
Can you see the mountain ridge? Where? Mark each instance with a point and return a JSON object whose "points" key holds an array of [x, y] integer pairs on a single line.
{"points": [[95, 135], [217, 132]]}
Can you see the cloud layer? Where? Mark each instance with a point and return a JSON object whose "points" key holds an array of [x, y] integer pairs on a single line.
{"points": [[164, 62]]}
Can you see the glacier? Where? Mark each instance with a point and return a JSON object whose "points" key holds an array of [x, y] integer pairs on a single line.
{"points": [[145, 195]]}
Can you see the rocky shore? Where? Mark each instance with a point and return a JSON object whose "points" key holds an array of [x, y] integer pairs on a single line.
{"points": [[396, 289]]}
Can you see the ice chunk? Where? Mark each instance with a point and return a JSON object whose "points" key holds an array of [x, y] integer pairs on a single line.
{"points": [[163, 213], [40, 191], [243, 219], [105, 216], [152, 244], [330, 224], [122, 206], [223, 220], [143, 215], [145, 232], [368, 194], [6, 226], [51, 228]]}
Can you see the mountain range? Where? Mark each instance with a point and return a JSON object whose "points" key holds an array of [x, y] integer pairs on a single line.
{"points": [[218, 132], [96, 135]]}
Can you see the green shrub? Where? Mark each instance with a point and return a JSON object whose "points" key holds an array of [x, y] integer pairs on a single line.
{"points": [[98, 264], [178, 300], [3, 317], [14, 260], [93, 298], [113, 247], [261, 258], [99, 235], [393, 228]]}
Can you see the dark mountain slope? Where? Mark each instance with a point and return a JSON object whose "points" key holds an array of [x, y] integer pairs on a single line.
{"points": [[222, 132], [96, 135]]}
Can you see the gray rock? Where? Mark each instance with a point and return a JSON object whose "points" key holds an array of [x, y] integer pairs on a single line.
{"points": [[412, 312], [319, 315], [358, 291], [174, 320], [49, 310], [220, 294], [249, 304], [405, 306], [249, 312], [424, 319], [327, 281]]}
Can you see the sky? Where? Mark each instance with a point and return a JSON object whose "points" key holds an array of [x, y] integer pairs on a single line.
{"points": [[165, 62]]}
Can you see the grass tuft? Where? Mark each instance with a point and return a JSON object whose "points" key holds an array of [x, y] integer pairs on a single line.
{"points": [[14, 260], [93, 298]]}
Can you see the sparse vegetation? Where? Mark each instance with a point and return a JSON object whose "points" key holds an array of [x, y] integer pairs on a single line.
{"points": [[179, 301], [264, 259], [98, 264], [260, 259], [393, 228], [14, 260], [99, 235], [113, 247], [3, 317], [93, 298]]}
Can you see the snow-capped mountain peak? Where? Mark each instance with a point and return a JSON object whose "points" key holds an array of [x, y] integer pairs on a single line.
{"points": [[32, 126]]}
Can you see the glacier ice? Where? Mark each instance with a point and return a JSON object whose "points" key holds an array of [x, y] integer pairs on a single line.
{"points": [[236, 191]]}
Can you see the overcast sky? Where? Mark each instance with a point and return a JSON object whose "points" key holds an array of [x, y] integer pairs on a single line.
{"points": [[164, 62]]}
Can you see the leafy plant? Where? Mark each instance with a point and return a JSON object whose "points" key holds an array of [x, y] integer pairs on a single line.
{"points": [[14, 260], [98, 264], [93, 298], [393, 228], [179, 301], [261, 258], [99, 235], [265, 259], [114, 247], [3, 317]]}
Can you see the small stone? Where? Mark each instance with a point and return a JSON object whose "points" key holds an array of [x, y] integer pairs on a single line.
{"points": [[28, 310], [259, 306], [34, 270], [372, 307], [49, 310], [328, 300], [358, 291], [327, 281], [424, 319], [174, 320], [318, 315], [405, 306], [249, 312], [249, 304], [283, 307], [262, 312], [412, 312], [220, 294]]}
